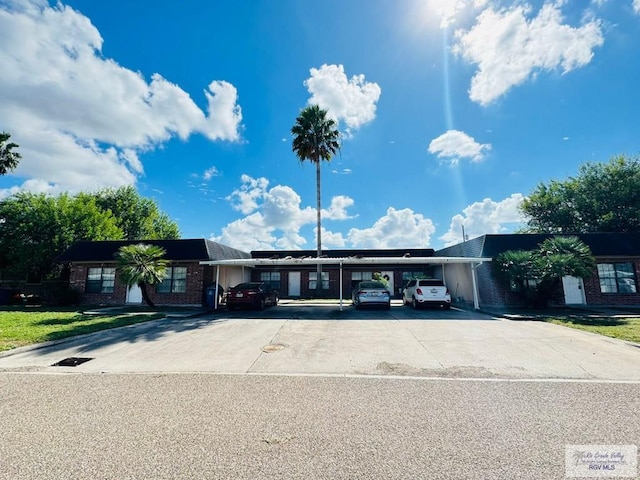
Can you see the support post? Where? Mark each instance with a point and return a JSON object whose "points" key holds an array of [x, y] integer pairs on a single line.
{"points": [[474, 281], [215, 301], [340, 286]]}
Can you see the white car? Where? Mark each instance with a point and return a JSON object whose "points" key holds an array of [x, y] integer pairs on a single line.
{"points": [[426, 291]]}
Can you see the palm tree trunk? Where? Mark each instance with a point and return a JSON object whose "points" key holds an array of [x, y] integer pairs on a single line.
{"points": [[145, 294], [319, 234]]}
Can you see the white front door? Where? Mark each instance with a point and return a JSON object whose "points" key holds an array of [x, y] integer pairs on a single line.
{"points": [[134, 294], [388, 276], [294, 284], [573, 290]]}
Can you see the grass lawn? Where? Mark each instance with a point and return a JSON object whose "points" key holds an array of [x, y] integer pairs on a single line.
{"points": [[21, 326], [624, 328]]}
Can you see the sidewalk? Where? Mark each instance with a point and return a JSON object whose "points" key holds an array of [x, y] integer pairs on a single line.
{"points": [[596, 311]]}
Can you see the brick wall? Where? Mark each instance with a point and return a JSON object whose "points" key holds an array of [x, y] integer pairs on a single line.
{"points": [[491, 292], [197, 275], [592, 286]]}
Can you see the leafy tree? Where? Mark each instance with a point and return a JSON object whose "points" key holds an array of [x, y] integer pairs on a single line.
{"points": [[35, 229], [560, 256], [315, 138], [537, 273], [377, 276], [138, 217], [142, 265], [602, 198], [516, 268], [8, 158]]}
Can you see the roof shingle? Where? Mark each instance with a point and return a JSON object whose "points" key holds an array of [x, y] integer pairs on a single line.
{"points": [[195, 249]]}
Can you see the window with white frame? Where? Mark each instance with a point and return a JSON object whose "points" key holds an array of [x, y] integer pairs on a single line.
{"points": [[174, 282], [617, 278], [100, 280], [272, 278], [313, 280]]}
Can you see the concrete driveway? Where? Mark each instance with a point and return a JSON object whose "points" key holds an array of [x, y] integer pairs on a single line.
{"points": [[324, 340]]}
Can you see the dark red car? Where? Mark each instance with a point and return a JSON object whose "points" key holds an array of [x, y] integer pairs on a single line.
{"points": [[252, 295]]}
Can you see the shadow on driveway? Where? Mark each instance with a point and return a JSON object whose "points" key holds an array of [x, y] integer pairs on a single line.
{"points": [[307, 311]]}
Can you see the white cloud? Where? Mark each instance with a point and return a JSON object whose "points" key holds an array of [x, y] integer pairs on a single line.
{"points": [[484, 217], [209, 173], [275, 217], [245, 198], [34, 186], [636, 6], [352, 101], [456, 145], [397, 229], [510, 48], [332, 239], [225, 114], [82, 120], [247, 234], [338, 208], [446, 10]]}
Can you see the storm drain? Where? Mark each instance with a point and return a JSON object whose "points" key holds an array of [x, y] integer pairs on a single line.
{"points": [[273, 347], [71, 362]]}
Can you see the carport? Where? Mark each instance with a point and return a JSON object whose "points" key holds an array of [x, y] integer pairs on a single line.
{"points": [[308, 261]]}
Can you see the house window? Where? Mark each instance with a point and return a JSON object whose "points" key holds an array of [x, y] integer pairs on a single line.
{"points": [[617, 278], [174, 282], [527, 284], [357, 277], [101, 280], [272, 278], [313, 277]]}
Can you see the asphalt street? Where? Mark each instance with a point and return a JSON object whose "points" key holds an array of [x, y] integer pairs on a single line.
{"points": [[317, 394], [205, 426]]}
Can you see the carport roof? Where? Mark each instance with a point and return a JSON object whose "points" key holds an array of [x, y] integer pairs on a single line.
{"points": [[257, 262]]}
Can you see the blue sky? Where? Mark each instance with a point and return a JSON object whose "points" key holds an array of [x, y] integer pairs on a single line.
{"points": [[451, 111]]}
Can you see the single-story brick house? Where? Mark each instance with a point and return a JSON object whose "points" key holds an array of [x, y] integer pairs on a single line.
{"points": [[92, 271], [615, 281], [197, 264]]}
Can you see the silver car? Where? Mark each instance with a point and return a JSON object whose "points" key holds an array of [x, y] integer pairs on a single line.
{"points": [[371, 293]]}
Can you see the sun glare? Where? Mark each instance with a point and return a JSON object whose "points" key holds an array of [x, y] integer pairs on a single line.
{"points": [[441, 13]]}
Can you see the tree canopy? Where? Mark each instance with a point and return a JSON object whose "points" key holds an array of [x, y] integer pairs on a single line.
{"points": [[36, 228], [315, 135], [138, 217], [8, 158], [603, 197]]}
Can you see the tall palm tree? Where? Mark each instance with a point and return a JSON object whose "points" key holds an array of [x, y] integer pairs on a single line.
{"points": [[8, 159], [141, 264], [315, 138]]}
